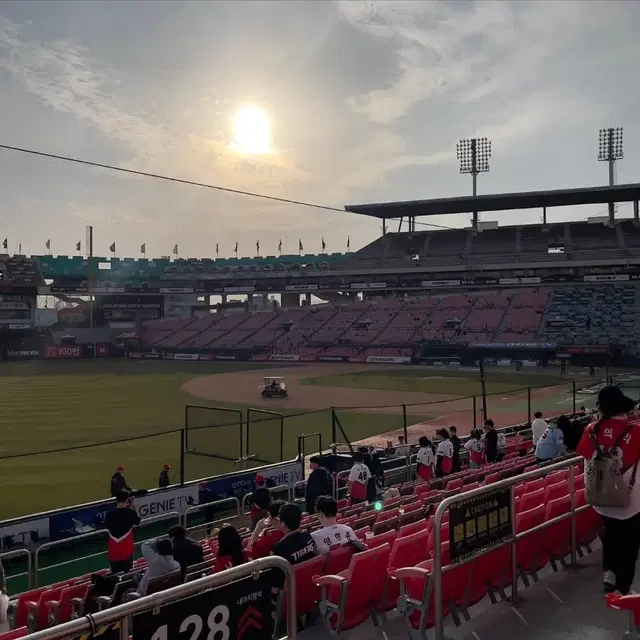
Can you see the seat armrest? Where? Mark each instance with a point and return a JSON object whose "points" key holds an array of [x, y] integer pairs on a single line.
{"points": [[327, 581]]}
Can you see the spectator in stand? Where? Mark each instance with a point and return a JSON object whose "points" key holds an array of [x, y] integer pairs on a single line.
{"points": [[160, 562], [538, 427], [444, 454], [455, 441], [332, 533], [425, 459], [475, 449], [206, 497], [267, 532], [230, 550], [261, 499], [490, 441], [296, 545], [164, 480], [571, 432], [551, 445], [358, 479], [186, 551], [377, 471], [614, 437], [403, 449], [120, 523], [319, 484], [118, 483]]}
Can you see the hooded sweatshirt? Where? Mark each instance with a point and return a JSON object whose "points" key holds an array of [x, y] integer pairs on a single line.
{"points": [[157, 565]]}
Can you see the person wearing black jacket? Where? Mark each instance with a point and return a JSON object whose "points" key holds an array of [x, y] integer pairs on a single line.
{"points": [[206, 497], [118, 482], [186, 551], [491, 441], [164, 481], [455, 441], [319, 483]]}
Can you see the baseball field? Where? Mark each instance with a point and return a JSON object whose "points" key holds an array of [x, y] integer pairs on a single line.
{"points": [[53, 412]]}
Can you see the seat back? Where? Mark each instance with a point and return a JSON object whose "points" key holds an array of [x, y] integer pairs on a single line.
{"points": [[74, 591], [385, 525], [409, 550], [534, 485], [414, 527], [491, 477], [532, 499], [530, 518], [368, 577], [388, 515], [338, 560], [164, 582], [557, 490], [306, 590], [454, 484], [384, 538]]}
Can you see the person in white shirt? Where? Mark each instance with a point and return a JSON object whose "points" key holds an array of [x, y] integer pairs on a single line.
{"points": [[332, 534], [425, 459], [538, 427], [403, 449], [444, 454], [475, 448], [358, 479]]}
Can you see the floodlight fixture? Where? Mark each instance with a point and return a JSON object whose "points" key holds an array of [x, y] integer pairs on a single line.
{"points": [[610, 145], [474, 154]]}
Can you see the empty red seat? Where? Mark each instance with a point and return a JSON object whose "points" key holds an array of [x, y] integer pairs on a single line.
{"points": [[556, 476], [60, 611], [557, 538], [384, 538], [22, 609], [361, 533], [365, 520], [588, 522], [519, 490], [531, 499], [387, 515], [414, 527], [385, 525], [407, 551], [452, 485], [361, 587], [491, 477], [557, 490], [530, 549], [338, 560], [578, 482], [534, 485], [306, 590]]}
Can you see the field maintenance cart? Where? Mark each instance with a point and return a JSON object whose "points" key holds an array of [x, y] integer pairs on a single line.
{"points": [[275, 388]]}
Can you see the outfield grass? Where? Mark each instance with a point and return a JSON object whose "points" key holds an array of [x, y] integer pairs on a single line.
{"points": [[449, 382], [66, 404]]}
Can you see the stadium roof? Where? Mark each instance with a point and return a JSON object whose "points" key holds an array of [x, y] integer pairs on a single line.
{"points": [[499, 202]]}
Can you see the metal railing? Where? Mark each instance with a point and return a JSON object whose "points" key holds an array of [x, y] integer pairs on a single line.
{"points": [[210, 505], [87, 536], [19, 553], [122, 613], [507, 483]]}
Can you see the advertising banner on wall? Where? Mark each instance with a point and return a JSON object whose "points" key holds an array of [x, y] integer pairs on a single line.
{"points": [[388, 359], [285, 357], [59, 351], [23, 354], [332, 358]]}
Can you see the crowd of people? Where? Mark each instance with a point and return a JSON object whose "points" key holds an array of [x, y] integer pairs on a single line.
{"points": [[608, 439]]}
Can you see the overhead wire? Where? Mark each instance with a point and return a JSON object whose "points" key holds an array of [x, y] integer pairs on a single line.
{"points": [[205, 185]]}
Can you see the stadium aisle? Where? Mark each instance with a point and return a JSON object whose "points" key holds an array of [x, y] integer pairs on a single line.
{"points": [[561, 606]]}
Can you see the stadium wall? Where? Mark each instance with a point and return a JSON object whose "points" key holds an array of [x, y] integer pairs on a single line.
{"points": [[59, 524]]}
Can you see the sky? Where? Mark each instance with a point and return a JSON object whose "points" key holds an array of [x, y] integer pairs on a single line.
{"points": [[366, 102]]}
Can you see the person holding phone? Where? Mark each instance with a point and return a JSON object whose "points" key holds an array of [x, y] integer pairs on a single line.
{"points": [[120, 523]]}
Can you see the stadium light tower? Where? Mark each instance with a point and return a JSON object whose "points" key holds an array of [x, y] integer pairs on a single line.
{"points": [[474, 154], [610, 150]]}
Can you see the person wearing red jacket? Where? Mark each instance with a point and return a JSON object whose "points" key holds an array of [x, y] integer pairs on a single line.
{"points": [[230, 552], [120, 523], [267, 532]]}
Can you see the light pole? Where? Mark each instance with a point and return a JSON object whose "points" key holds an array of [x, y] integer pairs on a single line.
{"points": [[474, 154], [610, 150]]}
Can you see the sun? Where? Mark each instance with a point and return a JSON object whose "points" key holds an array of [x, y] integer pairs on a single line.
{"points": [[251, 131]]}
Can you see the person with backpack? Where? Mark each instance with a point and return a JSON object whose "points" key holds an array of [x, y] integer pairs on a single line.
{"points": [[611, 449]]}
